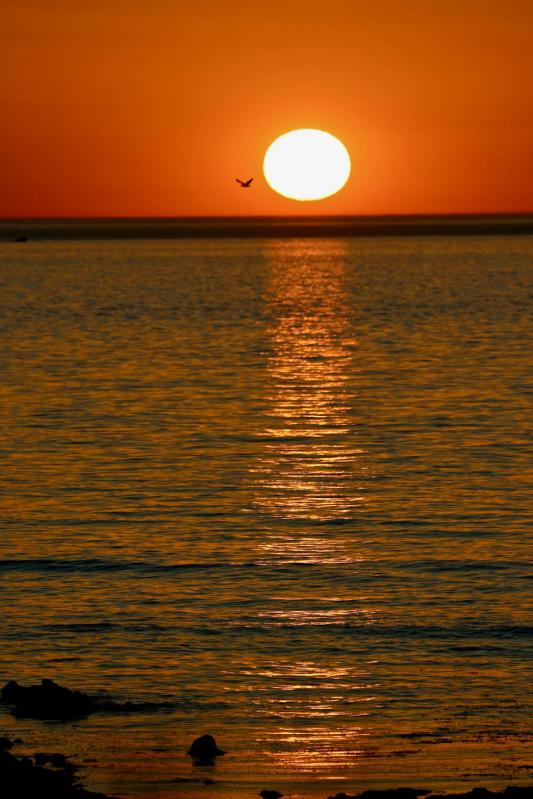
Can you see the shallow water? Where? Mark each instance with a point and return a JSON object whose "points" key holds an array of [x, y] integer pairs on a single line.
{"points": [[284, 484]]}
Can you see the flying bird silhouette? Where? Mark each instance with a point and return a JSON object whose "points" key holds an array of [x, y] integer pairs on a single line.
{"points": [[245, 184]]}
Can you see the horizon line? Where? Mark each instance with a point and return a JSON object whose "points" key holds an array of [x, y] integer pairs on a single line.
{"points": [[280, 217]]}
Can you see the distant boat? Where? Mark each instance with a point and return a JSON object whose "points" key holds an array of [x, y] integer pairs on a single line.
{"points": [[20, 238], [245, 184]]}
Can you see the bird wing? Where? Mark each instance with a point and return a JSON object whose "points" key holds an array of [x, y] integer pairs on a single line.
{"points": [[248, 182], [239, 181]]}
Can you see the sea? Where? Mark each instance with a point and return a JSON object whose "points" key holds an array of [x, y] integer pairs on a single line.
{"points": [[280, 482]]}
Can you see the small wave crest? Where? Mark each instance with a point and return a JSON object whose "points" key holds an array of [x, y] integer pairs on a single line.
{"points": [[95, 565]]}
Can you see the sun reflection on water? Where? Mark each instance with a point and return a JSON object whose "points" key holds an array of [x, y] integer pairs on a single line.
{"points": [[310, 455], [303, 698], [316, 748], [309, 486]]}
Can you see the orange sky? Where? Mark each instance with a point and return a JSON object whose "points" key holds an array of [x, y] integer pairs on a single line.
{"points": [[153, 107]]}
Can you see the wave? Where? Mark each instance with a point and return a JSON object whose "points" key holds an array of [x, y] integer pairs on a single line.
{"points": [[371, 569], [465, 630], [95, 565], [467, 637]]}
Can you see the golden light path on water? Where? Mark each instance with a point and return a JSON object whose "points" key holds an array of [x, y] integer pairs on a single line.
{"points": [[309, 452], [304, 485]]}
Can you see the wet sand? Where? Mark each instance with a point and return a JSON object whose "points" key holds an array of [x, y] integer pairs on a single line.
{"points": [[54, 776]]}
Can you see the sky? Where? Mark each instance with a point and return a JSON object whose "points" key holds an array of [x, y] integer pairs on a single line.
{"points": [[154, 107]]}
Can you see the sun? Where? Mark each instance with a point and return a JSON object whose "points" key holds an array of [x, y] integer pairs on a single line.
{"points": [[306, 164]]}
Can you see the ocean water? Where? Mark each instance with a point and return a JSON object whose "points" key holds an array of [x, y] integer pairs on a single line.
{"points": [[283, 485]]}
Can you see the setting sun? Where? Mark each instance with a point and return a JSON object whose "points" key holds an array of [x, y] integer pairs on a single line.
{"points": [[306, 164]]}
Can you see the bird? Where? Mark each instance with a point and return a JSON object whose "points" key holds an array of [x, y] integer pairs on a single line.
{"points": [[245, 184]]}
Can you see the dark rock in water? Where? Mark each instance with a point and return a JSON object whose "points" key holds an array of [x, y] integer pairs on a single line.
{"points": [[46, 701], [52, 701], [511, 792], [10, 692], [59, 761], [19, 778], [266, 794], [390, 793], [204, 749], [396, 793], [6, 759], [5, 743], [56, 760]]}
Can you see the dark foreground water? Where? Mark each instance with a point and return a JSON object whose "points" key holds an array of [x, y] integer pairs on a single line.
{"points": [[281, 484]]}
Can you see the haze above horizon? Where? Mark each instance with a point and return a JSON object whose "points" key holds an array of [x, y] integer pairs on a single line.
{"points": [[149, 110]]}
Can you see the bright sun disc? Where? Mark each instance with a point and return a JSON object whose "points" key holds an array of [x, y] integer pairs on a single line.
{"points": [[306, 164]]}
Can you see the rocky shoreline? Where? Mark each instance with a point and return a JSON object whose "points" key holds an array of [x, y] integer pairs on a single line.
{"points": [[45, 776], [53, 776]]}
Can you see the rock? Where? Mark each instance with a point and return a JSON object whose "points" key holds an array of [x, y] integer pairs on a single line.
{"points": [[204, 749], [390, 793], [5, 743], [59, 761], [52, 701], [19, 777], [10, 692], [56, 760], [46, 701], [511, 792], [266, 794], [7, 761]]}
